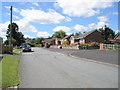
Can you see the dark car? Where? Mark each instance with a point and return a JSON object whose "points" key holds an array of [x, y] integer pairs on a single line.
{"points": [[26, 48]]}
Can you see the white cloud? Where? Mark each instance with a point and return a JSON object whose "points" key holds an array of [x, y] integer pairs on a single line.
{"points": [[28, 36], [3, 29], [100, 24], [16, 17], [63, 28], [79, 27], [68, 33], [25, 26], [117, 31], [92, 26], [43, 34], [115, 13], [85, 8], [14, 9], [7, 7], [4, 37], [35, 3], [42, 17], [103, 18]]}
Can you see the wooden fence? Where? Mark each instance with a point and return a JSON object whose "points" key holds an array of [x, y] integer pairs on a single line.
{"points": [[5, 49], [111, 46]]}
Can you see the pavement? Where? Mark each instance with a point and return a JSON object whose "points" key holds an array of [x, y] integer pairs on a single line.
{"points": [[104, 56], [46, 69]]}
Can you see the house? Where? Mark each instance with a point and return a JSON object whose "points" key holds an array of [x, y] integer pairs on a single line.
{"points": [[117, 36], [66, 39], [1, 43], [57, 41], [88, 37], [49, 41]]}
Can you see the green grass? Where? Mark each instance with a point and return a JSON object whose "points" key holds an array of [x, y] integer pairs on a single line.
{"points": [[17, 52], [9, 67]]}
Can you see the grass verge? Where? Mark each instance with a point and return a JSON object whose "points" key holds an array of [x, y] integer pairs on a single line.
{"points": [[17, 52], [9, 67]]}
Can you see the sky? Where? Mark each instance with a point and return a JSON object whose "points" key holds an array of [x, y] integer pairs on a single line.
{"points": [[42, 19]]}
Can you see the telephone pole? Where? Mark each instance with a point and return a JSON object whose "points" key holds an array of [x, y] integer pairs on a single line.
{"points": [[10, 29]]}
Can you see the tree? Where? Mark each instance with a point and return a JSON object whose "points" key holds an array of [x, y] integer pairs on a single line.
{"points": [[15, 34], [77, 34], [107, 33], [13, 42], [32, 40], [59, 34], [39, 40]]}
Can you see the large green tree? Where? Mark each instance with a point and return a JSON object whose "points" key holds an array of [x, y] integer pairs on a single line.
{"points": [[59, 34], [78, 33], [107, 33], [39, 40], [15, 34]]}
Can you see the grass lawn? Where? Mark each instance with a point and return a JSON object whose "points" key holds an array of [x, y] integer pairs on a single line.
{"points": [[17, 52], [9, 68]]}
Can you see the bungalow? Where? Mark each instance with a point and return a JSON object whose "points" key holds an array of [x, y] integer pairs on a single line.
{"points": [[66, 39], [88, 37], [117, 36], [49, 41]]}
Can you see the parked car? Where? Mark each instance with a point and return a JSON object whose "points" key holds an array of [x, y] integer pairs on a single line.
{"points": [[26, 48]]}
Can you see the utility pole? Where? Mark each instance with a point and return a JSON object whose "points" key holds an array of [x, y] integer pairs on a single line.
{"points": [[11, 29]]}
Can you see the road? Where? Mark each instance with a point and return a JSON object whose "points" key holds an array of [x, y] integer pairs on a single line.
{"points": [[45, 69], [97, 55]]}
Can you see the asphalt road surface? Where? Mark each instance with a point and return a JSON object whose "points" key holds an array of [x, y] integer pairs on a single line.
{"points": [[97, 55], [45, 69]]}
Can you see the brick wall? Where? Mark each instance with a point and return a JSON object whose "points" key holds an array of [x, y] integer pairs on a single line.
{"points": [[94, 37]]}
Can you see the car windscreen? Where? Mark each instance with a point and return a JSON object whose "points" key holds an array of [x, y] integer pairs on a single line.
{"points": [[26, 46]]}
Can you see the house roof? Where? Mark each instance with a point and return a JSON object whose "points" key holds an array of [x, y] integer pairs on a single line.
{"points": [[66, 37], [58, 39], [116, 35], [84, 34], [48, 40]]}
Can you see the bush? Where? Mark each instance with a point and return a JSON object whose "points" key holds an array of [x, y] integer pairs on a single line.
{"points": [[65, 45], [89, 45], [31, 44], [39, 45]]}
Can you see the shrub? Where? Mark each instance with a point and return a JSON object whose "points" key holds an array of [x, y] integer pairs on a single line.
{"points": [[39, 45], [64, 45]]}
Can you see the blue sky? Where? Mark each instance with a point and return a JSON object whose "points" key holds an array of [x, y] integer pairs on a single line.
{"points": [[42, 19]]}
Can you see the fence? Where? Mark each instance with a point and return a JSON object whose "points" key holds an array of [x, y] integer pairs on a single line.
{"points": [[111, 46], [5, 49]]}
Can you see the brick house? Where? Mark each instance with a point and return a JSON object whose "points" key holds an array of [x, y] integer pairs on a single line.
{"points": [[117, 36], [88, 37], [49, 41], [67, 39]]}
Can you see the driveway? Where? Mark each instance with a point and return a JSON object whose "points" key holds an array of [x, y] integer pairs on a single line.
{"points": [[46, 69], [95, 54]]}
